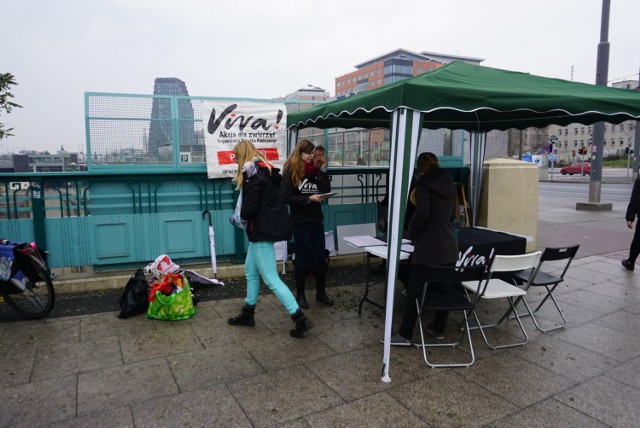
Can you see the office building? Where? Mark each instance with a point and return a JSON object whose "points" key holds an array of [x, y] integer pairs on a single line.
{"points": [[161, 133]]}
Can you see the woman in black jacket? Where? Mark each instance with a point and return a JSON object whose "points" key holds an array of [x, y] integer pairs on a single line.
{"points": [[267, 219], [633, 209], [434, 240], [303, 184]]}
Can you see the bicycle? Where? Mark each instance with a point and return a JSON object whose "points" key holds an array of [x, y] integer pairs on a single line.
{"points": [[26, 282]]}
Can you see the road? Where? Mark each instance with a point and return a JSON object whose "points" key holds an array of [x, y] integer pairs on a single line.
{"points": [[597, 232]]}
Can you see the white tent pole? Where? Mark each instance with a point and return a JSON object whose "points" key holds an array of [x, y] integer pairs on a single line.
{"points": [[404, 142], [477, 149], [292, 140]]}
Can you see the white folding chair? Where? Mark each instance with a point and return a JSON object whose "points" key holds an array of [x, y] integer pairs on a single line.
{"points": [[496, 288]]}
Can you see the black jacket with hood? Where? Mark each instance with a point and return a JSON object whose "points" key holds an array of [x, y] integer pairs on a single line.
{"points": [[263, 206], [431, 228]]}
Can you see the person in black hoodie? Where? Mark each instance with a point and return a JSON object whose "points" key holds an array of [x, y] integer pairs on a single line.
{"points": [[633, 209], [303, 183], [434, 240], [267, 219]]}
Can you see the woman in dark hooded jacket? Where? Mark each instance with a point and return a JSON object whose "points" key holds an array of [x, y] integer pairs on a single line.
{"points": [[434, 240], [264, 210]]}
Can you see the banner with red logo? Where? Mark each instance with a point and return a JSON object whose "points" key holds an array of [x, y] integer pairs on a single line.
{"points": [[225, 123]]}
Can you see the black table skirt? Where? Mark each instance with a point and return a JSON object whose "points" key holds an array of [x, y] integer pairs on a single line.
{"points": [[477, 246]]}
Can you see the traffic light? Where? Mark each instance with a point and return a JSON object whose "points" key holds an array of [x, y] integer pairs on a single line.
{"points": [[628, 151], [582, 150]]}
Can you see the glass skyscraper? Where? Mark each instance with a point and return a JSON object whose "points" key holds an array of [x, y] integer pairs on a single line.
{"points": [[161, 131]]}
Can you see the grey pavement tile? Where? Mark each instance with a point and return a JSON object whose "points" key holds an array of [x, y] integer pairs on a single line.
{"points": [[120, 417], [628, 293], [358, 373], [16, 364], [172, 338], [592, 301], [37, 403], [548, 414], [627, 373], [283, 395], [514, 379], [564, 358], [107, 324], [446, 399], [378, 410], [603, 340], [114, 387], [68, 358], [575, 315], [607, 400], [631, 279], [621, 321], [584, 275], [634, 309], [348, 335], [41, 332], [612, 270], [281, 350], [199, 369], [207, 407], [217, 332], [206, 311]]}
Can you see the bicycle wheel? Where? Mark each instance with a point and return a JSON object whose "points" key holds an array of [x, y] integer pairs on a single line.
{"points": [[37, 300]]}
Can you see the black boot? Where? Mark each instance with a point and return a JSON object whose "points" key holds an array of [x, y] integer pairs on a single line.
{"points": [[302, 324], [321, 295], [300, 276], [245, 317]]}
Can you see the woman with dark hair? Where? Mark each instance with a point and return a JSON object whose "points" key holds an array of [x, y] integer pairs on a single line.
{"points": [[303, 184], [434, 241], [264, 210]]}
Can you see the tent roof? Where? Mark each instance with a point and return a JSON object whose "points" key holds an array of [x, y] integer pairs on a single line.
{"points": [[477, 98]]}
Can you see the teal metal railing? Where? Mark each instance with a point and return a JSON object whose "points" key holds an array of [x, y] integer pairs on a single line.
{"points": [[111, 220]]}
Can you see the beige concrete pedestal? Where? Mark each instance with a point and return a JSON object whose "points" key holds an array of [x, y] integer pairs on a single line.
{"points": [[509, 198]]}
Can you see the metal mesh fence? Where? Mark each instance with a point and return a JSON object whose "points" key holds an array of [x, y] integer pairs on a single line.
{"points": [[153, 129]]}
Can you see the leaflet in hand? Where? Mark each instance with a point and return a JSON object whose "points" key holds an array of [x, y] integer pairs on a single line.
{"points": [[324, 196]]}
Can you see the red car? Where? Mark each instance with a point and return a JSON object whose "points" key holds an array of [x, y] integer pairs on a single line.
{"points": [[576, 169]]}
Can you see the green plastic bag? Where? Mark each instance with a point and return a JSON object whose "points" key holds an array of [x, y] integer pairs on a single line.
{"points": [[173, 307]]}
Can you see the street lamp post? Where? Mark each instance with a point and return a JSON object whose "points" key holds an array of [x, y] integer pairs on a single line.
{"points": [[554, 152]]}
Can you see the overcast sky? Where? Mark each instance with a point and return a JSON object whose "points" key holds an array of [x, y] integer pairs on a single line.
{"points": [[60, 49]]}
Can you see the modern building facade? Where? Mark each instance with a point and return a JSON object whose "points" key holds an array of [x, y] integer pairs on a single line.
{"points": [[161, 129], [392, 67], [372, 147]]}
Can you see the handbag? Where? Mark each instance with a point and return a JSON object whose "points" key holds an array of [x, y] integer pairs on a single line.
{"points": [[177, 304], [235, 218]]}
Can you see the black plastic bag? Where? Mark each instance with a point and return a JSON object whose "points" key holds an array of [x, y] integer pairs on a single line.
{"points": [[135, 297]]}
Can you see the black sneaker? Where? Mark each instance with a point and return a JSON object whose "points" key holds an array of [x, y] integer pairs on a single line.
{"points": [[627, 264], [435, 333]]}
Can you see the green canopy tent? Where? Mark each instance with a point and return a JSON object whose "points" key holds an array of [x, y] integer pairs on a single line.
{"points": [[460, 96]]}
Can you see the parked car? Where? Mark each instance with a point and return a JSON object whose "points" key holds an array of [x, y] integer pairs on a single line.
{"points": [[576, 169]]}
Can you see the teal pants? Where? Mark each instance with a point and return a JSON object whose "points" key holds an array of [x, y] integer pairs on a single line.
{"points": [[261, 262]]}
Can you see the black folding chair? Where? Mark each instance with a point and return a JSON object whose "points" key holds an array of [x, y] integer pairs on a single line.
{"points": [[450, 298], [542, 278]]}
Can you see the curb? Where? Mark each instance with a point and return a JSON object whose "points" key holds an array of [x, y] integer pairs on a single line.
{"points": [[116, 280]]}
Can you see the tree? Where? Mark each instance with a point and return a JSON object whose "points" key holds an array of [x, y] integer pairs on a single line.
{"points": [[7, 80]]}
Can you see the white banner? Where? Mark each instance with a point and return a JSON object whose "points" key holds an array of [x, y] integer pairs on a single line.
{"points": [[227, 122]]}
